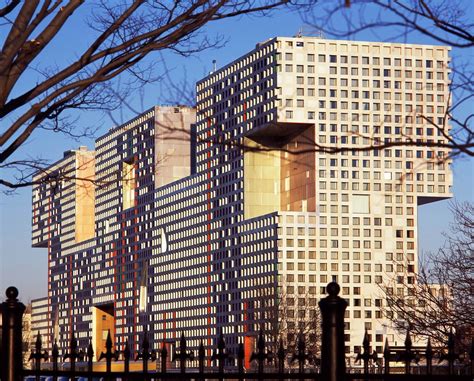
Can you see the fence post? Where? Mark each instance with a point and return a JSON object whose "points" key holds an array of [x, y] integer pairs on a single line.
{"points": [[11, 346], [333, 362]]}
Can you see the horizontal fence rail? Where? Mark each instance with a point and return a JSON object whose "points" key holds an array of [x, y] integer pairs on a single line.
{"points": [[279, 364]]}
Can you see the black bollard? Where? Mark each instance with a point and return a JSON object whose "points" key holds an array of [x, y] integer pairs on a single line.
{"points": [[12, 354], [333, 362]]}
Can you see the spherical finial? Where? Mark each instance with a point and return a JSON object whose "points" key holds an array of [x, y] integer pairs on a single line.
{"points": [[333, 289], [11, 293]]}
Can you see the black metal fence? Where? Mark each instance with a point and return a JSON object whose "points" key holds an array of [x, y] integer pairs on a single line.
{"points": [[267, 364]]}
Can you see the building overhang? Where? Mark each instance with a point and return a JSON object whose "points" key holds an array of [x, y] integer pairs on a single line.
{"points": [[276, 135]]}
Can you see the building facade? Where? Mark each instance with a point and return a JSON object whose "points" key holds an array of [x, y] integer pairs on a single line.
{"points": [[201, 221]]}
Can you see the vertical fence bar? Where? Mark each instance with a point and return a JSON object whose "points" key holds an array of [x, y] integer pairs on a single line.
{"points": [[333, 362], [201, 357], [408, 354], [145, 352], [55, 356], [386, 357], [281, 354], [451, 354], [11, 356], [260, 355], [164, 355], [90, 358], [300, 353], [366, 354], [240, 358], [109, 355], [471, 356], [126, 358], [183, 354], [73, 355], [429, 358], [220, 354], [38, 355]]}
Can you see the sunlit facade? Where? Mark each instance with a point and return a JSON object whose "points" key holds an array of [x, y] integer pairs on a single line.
{"points": [[221, 211]]}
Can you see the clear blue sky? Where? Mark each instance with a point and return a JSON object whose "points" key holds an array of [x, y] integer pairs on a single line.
{"points": [[26, 268]]}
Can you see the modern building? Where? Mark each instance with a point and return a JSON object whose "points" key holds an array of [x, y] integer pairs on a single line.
{"points": [[200, 221]]}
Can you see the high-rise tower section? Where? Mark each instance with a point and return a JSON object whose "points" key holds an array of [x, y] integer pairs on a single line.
{"points": [[329, 134]]}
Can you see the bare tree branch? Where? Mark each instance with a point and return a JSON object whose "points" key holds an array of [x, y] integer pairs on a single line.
{"points": [[9, 8], [128, 31]]}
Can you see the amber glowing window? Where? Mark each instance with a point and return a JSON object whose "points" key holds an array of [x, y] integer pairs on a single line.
{"points": [[128, 185]]}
